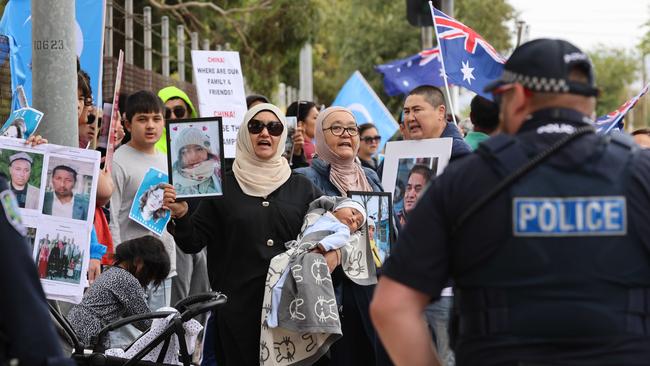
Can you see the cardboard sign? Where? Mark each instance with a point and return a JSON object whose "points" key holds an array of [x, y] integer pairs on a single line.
{"points": [[220, 88]]}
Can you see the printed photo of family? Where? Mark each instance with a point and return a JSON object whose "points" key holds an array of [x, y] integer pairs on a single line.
{"points": [[147, 209], [23, 172], [195, 157], [379, 227], [59, 257], [69, 184]]}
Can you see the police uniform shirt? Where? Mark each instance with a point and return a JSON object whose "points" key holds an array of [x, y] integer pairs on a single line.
{"points": [[426, 257], [26, 330]]}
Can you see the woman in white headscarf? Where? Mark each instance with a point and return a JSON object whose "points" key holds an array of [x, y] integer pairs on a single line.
{"points": [[263, 207]]}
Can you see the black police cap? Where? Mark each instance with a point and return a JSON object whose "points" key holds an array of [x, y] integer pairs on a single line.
{"points": [[543, 65]]}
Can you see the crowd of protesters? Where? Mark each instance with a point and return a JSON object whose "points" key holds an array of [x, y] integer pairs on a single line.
{"points": [[227, 244]]}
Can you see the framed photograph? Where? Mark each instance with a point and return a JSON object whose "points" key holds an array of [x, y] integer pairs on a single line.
{"points": [[147, 208], [195, 157], [417, 161], [23, 171], [378, 230]]}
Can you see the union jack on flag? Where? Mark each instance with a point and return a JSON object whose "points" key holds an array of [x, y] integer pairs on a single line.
{"points": [[613, 121], [470, 61], [403, 75]]}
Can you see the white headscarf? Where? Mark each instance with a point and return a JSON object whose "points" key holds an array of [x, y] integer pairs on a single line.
{"points": [[257, 177]]}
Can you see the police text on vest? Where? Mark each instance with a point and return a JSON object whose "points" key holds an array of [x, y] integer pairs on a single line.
{"points": [[569, 216]]}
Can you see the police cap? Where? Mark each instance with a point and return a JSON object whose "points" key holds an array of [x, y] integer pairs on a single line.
{"points": [[544, 65]]}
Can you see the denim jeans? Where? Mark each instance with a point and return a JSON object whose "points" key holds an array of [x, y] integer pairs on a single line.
{"points": [[437, 315]]}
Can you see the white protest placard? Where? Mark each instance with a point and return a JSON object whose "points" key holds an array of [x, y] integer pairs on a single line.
{"points": [[402, 156], [220, 88], [55, 190]]}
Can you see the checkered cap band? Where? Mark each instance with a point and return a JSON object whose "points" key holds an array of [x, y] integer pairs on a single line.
{"points": [[534, 83]]}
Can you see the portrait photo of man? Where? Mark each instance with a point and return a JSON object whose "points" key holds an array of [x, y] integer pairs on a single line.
{"points": [[20, 171], [62, 200]]}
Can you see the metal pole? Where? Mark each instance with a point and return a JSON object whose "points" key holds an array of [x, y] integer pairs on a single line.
{"points": [[128, 31], [426, 35], [148, 49], [206, 44], [282, 96], [306, 73], [165, 45], [180, 51], [54, 70], [194, 41], [108, 51], [447, 7]]}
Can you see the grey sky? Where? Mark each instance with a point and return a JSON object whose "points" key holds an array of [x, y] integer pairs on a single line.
{"points": [[586, 22]]}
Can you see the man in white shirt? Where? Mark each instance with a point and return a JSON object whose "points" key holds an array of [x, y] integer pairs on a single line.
{"points": [[63, 202]]}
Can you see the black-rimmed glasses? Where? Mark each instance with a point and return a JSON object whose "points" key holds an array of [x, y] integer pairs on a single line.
{"points": [[339, 130]]}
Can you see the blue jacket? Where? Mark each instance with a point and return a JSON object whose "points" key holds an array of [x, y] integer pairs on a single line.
{"points": [[459, 147], [319, 174]]}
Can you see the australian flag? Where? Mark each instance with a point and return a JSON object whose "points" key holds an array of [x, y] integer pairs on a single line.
{"points": [[470, 61], [402, 76], [613, 121]]}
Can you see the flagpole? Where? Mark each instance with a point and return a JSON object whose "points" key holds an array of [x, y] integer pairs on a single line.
{"points": [[442, 61]]}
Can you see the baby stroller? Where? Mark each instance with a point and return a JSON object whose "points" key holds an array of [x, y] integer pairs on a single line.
{"points": [[186, 310]]}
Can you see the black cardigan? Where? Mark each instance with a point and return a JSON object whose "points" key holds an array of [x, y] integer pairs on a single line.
{"points": [[242, 233]]}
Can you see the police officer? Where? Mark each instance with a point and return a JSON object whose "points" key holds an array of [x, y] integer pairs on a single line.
{"points": [[27, 336], [553, 267]]}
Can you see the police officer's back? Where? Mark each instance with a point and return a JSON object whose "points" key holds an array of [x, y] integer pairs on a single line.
{"points": [[554, 268], [27, 336]]}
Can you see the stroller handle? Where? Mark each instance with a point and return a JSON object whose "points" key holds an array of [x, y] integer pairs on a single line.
{"points": [[193, 311], [96, 340], [184, 304]]}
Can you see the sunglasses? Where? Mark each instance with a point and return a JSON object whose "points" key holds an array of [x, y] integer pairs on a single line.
{"points": [[370, 139], [274, 128], [178, 111]]}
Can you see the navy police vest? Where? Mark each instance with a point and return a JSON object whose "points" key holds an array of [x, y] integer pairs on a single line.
{"points": [[572, 265]]}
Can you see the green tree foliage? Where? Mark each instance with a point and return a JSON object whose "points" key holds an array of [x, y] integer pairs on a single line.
{"points": [[615, 70], [358, 35], [346, 35]]}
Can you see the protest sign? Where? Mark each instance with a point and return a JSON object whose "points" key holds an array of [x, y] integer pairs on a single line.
{"points": [[55, 187], [194, 157], [147, 208], [115, 114], [403, 156], [220, 88], [22, 123]]}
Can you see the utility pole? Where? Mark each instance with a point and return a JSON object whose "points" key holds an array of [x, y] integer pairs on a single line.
{"points": [[54, 70]]}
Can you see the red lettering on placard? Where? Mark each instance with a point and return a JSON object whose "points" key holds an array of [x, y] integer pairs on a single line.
{"points": [[216, 59], [226, 114]]}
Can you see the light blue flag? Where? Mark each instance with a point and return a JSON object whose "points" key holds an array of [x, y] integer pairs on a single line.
{"points": [[357, 95], [16, 24]]}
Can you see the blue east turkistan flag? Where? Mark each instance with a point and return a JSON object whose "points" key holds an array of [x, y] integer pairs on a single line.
{"points": [[613, 121], [357, 95], [402, 76], [470, 61], [16, 24]]}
